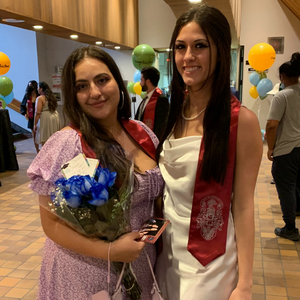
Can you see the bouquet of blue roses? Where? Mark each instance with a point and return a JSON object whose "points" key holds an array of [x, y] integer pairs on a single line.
{"points": [[97, 207]]}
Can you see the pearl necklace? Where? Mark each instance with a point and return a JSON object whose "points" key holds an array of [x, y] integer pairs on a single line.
{"points": [[192, 118]]}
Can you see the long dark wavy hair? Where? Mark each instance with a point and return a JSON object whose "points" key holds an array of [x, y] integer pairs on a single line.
{"points": [[32, 86], [292, 67], [216, 122], [107, 149], [47, 92]]}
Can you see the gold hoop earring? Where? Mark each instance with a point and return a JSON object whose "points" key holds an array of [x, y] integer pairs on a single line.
{"points": [[122, 96]]}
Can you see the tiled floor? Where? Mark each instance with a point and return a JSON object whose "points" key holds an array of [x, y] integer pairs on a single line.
{"points": [[276, 261], [21, 234]]}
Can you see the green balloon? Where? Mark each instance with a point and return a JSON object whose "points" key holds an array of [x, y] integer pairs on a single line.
{"points": [[3, 103], [143, 56], [262, 75], [143, 95], [6, 86], [130, 87]]}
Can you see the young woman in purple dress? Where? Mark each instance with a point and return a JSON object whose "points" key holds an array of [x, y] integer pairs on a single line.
{"points": [[98, 106]]}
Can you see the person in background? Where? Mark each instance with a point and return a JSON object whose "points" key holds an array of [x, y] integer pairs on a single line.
{"points": [[98, 106], [209, 157], [27, 108], [234, 92], [46, 121], [283, 137], [277, 87], [154, 108]]}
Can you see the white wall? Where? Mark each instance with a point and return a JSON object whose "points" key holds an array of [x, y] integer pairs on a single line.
{"points": [[156, 23], [262, 19], [54, 51], [20, 46]]}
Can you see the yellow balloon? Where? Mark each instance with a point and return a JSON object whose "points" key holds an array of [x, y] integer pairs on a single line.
{"points": [[253, 92], [261, 56], [137, 88], [4, 63]]}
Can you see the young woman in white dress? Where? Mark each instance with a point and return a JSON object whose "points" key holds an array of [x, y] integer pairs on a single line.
{"points": [[202, 110]]}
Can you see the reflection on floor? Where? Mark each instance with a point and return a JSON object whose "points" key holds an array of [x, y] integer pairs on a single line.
{"points": [[276, 261]]}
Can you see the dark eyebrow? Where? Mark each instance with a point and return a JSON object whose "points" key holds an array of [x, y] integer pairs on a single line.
{"points": [[96, 77], [80, 80], [196, 41]]}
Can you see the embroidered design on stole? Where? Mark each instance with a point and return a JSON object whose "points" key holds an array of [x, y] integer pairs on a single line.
{"points": [[210, 218]]}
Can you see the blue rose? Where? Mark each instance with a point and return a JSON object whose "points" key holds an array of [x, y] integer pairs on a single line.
{"points": [[106, 178], [99, 194], [80, 185], [73, 185], [87, 183], [72, 199], [69, 182], [61, 183]]}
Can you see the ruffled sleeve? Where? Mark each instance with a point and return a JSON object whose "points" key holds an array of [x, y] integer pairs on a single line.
{"points": [[61, 147]]}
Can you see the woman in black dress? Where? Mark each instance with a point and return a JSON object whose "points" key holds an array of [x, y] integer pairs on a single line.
{"points": [[28, 107]]}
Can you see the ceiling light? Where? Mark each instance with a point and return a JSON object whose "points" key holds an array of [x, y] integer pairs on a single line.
{"points": [[117, 47], [168, 49], [38, 27], [194, 1], [98, 43], [74, 36], [12, 21]]}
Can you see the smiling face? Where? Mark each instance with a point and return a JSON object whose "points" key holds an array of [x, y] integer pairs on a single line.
{"points": [[195, 56], [97, 91]]}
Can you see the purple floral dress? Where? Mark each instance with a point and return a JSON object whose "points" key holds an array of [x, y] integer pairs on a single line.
{"points": [[65, 274]]}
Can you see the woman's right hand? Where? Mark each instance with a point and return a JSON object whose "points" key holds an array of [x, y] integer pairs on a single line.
{"points": [[126, 248]]}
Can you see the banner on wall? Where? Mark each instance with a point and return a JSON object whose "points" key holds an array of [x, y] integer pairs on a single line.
{"points": [[56, 81], [56, 84], [56, 77]]}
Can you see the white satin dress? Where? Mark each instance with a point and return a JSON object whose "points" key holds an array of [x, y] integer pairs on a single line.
{"points": [[180, 275]]}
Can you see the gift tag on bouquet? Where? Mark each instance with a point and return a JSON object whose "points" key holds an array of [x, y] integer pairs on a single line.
{"points": [[79, 165], [152, 229], [93, 163]]}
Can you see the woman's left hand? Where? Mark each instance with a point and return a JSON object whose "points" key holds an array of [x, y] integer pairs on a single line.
{"points": [[241, 294]]}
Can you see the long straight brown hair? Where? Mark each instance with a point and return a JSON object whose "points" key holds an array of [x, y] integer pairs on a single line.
{"points": [[216, 122]]}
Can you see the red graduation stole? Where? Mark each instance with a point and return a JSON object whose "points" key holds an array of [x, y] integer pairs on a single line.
{"points": [[211, 203], [30, 108], [149, 112], [138, 133]]}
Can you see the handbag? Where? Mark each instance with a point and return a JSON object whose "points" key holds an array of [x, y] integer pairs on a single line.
{"points": [[118, 295], [156, 293]]}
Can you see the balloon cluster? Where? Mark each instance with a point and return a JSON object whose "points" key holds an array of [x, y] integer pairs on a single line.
{"points": [[142, 56], [6, 85], [261, 57]]}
